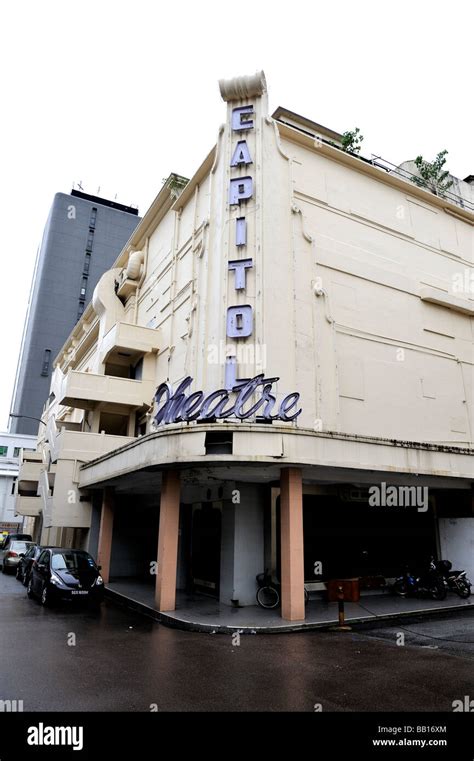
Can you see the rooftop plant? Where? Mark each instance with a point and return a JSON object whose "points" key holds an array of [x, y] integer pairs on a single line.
{"points": [[432, 175]]}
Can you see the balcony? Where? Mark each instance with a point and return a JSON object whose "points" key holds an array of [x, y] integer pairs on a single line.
{"points": [[130, 341], [44, 493], [28, 506], [28, 475], [87, 391], [81, 446]]}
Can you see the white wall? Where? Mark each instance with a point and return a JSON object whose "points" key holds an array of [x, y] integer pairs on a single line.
{"points": [[456, 537]]}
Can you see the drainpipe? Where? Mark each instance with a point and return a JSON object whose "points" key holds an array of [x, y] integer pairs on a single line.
{"points": [[174, 268], [466, 399], [141, 281]]}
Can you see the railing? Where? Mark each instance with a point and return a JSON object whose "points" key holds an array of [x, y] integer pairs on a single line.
{"points": [[387, 166]]}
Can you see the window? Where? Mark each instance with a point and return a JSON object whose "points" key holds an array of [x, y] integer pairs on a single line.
{"points": [[72, 560], [84, 286], [80, 310], [13, 485], [93, 217], [44, 558], [87, 263], [3, 451], [218, 442], [16, 452], [46, 362], [90, 240]]}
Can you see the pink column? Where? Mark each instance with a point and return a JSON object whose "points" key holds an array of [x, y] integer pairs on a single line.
{"points": [[105, 533], [292, 565], [165, 591]]}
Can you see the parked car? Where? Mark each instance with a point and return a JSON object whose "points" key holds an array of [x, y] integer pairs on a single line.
{"points": [[11, 554], [23, 568], [63, 574], [13, 538]]}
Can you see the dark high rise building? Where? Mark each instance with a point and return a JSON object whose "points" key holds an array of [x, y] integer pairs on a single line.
{"points": [[83, 236]]}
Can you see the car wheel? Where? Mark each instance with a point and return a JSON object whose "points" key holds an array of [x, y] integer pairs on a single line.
{"points": [[29, 590], [45, 596], [25, 579]]}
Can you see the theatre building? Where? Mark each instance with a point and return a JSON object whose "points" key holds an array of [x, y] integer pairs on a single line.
{"points": [[276, 373]]}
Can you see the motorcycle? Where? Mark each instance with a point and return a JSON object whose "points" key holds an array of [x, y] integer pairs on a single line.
{"points": [[429, 584], [456, 581]]}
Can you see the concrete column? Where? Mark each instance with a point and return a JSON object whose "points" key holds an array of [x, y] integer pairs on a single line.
{"points": [[104, 548], [131, 424], [292, 564], [165, 591], [242, 551]]}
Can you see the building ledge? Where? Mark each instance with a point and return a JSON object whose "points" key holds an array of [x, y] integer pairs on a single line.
{"points": [[280, 445]]}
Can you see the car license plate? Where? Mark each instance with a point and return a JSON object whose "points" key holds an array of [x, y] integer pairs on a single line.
{"points": [[77, 592]]}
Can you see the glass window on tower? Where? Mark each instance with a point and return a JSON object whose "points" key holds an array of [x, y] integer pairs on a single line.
{"points": [[46, 362]]}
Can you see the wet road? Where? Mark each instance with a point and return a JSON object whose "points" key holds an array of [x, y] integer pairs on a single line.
{"points": [[123, 662]]}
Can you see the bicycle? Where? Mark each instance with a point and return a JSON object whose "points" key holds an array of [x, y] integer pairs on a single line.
{"points": [[268, 592]]}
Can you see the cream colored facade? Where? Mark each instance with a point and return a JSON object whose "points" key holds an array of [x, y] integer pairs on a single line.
{"points": [[362, 298]]}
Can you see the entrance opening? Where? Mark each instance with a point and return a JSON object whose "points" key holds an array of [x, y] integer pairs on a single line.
{"points": [[113, 424], [135, 539], [206, 548], [348, 539], [356, 539]]}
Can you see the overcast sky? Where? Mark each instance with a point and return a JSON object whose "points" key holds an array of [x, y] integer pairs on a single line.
{"points": [[119, 94]]}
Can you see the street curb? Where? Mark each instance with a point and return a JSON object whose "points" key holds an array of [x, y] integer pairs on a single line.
{"points": [[365, 622]]}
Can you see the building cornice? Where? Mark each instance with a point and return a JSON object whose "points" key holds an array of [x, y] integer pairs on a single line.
{"points": [[195, 181], [279, 428]]}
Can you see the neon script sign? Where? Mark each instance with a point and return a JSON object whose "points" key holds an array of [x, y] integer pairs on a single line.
{"points": [[181, 406]]}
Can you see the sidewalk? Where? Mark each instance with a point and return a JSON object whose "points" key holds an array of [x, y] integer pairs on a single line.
{"points": [[200, 613]]}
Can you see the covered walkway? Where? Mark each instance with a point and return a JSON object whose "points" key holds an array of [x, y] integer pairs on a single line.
{"points": [[201, 613]]}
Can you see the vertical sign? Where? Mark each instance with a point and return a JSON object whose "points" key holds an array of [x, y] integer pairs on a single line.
{"points": [[240, 319]]}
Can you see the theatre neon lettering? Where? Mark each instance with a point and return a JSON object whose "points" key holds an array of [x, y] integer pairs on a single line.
{"points": [[182, 406]]}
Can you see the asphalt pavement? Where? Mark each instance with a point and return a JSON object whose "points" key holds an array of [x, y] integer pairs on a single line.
{"points": [[115, 660]]}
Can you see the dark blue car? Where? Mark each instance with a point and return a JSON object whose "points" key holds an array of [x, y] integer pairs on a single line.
{"points": [[63, 574]]}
